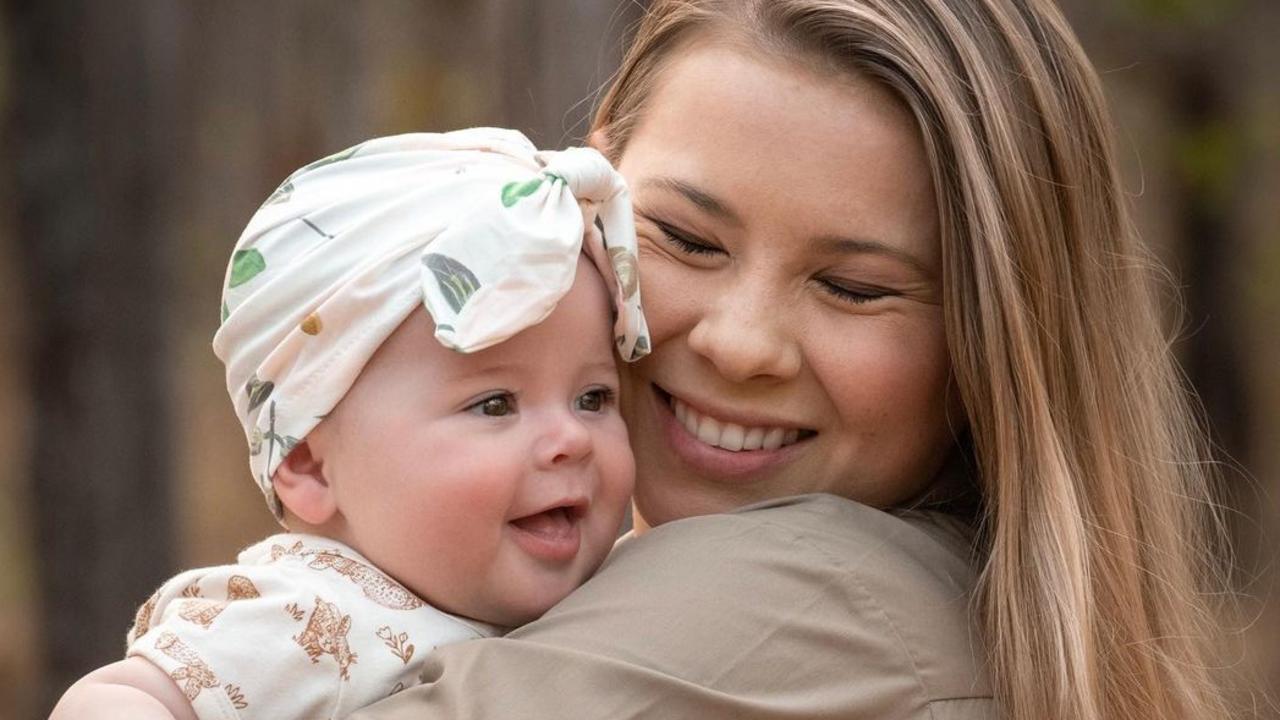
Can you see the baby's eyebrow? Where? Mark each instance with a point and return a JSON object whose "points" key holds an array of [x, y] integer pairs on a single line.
{"points": [[482, 371], [607, 366], [703, 199]]}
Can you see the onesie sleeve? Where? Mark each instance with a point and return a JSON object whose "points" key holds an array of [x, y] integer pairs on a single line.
{"points": [[248, 642], [813, 607]]}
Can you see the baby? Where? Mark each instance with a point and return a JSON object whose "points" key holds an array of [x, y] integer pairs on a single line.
{"points": [[442, 474]]}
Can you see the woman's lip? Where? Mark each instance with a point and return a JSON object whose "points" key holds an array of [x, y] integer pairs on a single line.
{"points": [[555, 548], [712, 461], [729, 416]]}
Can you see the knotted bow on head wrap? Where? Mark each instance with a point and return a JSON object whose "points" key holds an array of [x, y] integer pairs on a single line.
{"points": [[476, 225]]}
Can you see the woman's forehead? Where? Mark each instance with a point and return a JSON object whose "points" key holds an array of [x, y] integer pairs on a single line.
{"points": [[746, 140]]}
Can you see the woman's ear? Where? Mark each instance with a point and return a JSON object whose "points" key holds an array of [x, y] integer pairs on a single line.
{"points": [[599, 140], [302, 487]]}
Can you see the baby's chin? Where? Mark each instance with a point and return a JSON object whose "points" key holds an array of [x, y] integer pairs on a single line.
{"points": [[517, 614], [520, 606]]}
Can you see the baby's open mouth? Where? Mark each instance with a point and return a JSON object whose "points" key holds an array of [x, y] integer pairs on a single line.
{"points": [[554, 524], [552, 535]]}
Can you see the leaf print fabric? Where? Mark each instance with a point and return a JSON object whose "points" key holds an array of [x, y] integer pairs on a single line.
{"points": [[457, 283], [282, 194], [300, 626], [513, 191], [245, 266], [476, 226], [258, 391], [624, 265], [312, 325]]}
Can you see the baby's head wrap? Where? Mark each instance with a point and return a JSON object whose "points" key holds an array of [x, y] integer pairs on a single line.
{"points": [[477, 225]]}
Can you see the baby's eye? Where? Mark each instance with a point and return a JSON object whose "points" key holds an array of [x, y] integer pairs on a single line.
{"points": [[495, 405], [595, 400]]}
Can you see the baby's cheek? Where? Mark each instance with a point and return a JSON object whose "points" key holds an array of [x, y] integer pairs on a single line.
{"points": [[617, 482], [622, 481]]}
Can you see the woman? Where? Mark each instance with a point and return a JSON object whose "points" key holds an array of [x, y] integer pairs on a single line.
{"points": [[884, 242]]}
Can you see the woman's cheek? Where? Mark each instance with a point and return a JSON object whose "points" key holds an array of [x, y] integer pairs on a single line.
{"points": [[895, 373], [668, 291]]}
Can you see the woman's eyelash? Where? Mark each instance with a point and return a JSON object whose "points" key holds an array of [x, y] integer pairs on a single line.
{"points": [[684, 242], [849, 295]]}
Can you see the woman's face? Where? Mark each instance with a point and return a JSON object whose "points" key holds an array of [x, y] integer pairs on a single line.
{"points": [[791, 276]]}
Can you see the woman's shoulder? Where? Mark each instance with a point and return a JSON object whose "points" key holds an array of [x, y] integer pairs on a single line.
{"points": [[891, 552], [836, 596], [809, 607]]}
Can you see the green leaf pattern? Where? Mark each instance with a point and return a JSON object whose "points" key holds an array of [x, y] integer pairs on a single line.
{"points": [[281, 195], [258, 391], [456, 281], [245, 266], [513, 191]]}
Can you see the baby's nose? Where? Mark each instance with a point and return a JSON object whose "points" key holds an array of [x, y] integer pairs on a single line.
{"points": [[565, 441]]}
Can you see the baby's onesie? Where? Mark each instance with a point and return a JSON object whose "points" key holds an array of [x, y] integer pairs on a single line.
{"points": [[301, 627]]}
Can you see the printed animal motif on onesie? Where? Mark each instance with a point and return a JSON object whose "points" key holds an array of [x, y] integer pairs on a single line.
{"points": [[203, 611], [192, 675], [375, 584], [326, 634], [300, 627]]}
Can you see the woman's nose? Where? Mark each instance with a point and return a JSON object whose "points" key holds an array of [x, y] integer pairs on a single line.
{"points": [[566, 440], [745, 336]]}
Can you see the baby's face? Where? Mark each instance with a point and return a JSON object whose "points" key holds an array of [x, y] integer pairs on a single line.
{"points": [[491, 484]]}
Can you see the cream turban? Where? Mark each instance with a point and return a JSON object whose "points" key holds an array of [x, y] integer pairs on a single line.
{"points": [[476, 225]]}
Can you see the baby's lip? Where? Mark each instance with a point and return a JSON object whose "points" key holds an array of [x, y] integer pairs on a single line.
{"points": [[575, 507], [553, 534]]}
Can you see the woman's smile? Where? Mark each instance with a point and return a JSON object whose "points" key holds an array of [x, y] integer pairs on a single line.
{"points": [[714, 430], [725, 443]]}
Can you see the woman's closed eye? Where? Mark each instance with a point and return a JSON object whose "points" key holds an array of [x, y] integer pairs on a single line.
{"points": [[683, 241], [496, 405], [842, 290], [855, 294]]}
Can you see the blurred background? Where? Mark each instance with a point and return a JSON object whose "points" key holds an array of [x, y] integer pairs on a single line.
{"points": [[140, 135]]}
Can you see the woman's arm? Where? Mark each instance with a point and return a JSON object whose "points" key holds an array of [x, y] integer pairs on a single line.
{"points": [[810, 607], [132, 689]]}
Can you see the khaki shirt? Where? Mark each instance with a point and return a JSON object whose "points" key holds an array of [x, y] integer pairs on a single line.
{"points": [[804, 607]]}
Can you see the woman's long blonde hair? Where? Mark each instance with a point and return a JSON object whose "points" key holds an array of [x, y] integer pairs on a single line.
{"points": [[1098, 531]]}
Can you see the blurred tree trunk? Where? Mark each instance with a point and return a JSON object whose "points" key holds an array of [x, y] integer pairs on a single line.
{"points": [[552, 57], [88, 141], [142, 135], [1196, 79]]}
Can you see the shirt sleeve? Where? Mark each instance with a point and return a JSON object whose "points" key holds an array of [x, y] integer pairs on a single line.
{"points": [[247, 642], [751, 615]]}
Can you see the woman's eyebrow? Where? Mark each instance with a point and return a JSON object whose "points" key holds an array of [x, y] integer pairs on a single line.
{"points": [[828, 243], [701, 198], [861, 246]]}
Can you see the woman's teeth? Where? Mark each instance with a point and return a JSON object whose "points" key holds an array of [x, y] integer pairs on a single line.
{"points": [[730, 436]]}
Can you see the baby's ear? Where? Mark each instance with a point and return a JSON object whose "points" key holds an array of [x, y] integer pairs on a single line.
{"points": [[302, 487]]}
